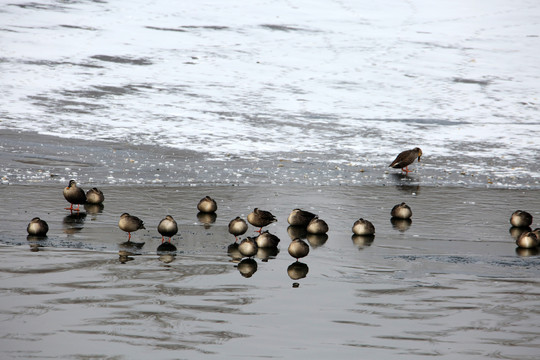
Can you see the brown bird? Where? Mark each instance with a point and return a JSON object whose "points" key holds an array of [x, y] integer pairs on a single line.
{"points": [[401, 211], [406, 158], [237, 227], [521, 218], [74, 195], [267, 240], [317, 226], [167, 227], [260, 218], [94, 196], [248, 247], [130, 223], [300, 217], [363, 227], [207, 205], [298, 249], [37, 227]]}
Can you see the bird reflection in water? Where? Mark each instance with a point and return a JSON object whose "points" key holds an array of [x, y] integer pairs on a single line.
{"points": [[207, 219], [234, 253], [267, 253], [516, 232], [36, 242], [526, 252], [401, 225], [362, 241], [125, 256], [247, 267], [74, 222], [166, 252], [94, 209], [297, 232], [297, 270], [316, 240]]}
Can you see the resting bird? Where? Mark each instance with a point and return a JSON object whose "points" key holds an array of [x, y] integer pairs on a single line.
{"points": [[401, 211], [248, 247], [300, 217], [74, 195], [406, 158], [37, 227], [94, 196], [207, 205], [260, 218], [237, 226], [298, 249], [167, 227], [130, 223]]}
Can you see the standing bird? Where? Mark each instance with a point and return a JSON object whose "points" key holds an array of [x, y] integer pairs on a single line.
{"points": [[298, 249], [74, 195], [207, 205], [167, 227], [406, 158], [130, 223], [260, 218], [94, 196], [37, 227], [237, 227], [300, 217]]}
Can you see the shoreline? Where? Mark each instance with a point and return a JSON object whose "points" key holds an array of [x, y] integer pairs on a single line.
{"points": [[29, 158]]}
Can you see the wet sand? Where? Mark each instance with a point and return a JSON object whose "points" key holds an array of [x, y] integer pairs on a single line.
{"points": [[450, 285], [29, 157]]}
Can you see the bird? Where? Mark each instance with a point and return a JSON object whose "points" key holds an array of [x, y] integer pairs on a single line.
{"points": [[527, 240], [260, 218], [298, 248], [401, 211], [267, 240], [317, 226], [521, 218], [94, 196], [406, 158], [537, 233], [130, 223], [207, 205], [248, 247], [300, 217], [74, 195], [237, 227], [37, 227], [167, 227], [363, 227]]}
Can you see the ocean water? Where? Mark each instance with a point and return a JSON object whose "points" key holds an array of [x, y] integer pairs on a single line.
{"points": [[346, 81]]}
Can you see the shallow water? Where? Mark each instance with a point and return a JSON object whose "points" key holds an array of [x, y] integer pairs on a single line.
{"points": [[345, 81], [450, 285]]}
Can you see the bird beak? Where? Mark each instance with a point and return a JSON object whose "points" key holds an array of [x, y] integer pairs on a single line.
{"points": [[419, 159]]}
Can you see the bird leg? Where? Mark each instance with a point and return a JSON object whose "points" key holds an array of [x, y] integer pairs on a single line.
{"points": [[259, 231], [72, 209], [406, 169], [162, 239], [129, 236]]}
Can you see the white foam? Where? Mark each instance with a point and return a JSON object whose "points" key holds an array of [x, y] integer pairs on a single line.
{"points": [[454, 77]]}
